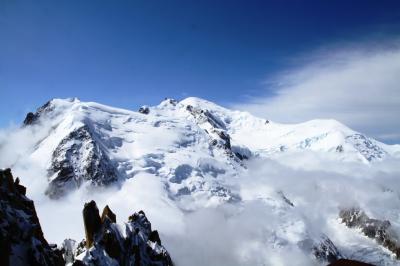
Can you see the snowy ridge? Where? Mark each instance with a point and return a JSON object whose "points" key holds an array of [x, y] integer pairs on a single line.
{"points": [[189, 143], [266, 137]]}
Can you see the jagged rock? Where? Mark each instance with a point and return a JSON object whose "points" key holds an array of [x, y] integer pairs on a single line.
{"points": [[326, 250], [366, 147], [346, 262], [141, 246], [144, 110], [154, 237], [21, 237], [32, 118], [225, 136], [323, 250], [242, 152], [285, 199], [107, 213], [110, 239], [171, 101], [189, 108], [92, 222], [376, 229], [78, 263], [339, 148], [71, 249], [216, 128], [79, 158], [204, 116]]}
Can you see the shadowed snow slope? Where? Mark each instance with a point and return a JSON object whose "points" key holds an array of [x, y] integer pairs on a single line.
{"points": [[183, 161]]}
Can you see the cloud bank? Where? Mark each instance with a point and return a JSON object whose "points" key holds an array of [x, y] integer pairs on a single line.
{"points": [[358, 86]]}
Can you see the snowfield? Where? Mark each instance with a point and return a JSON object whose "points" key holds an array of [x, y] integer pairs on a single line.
{"points": [[223, 187]]}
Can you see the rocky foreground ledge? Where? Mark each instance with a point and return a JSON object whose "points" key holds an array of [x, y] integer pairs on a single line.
{"points": [[105, 244], [21, 236], [22, 241]]}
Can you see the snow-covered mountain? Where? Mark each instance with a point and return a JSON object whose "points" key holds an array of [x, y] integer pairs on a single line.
{"points": [[199, 152], [188, 143]]}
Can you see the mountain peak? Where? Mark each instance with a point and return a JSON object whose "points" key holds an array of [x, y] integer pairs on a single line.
{"points": [[200, 103], [93, 143]]}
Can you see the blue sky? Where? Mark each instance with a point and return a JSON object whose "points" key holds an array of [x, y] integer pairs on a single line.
{"points": [[129, 53]]}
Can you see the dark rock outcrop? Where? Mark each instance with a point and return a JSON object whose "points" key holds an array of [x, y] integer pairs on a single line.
{"points": [[106, 245], [21, 237], [285, 199], [79, 158], [154, 237], [376, 229], [219, 137], [322, 249], [226, 138], [171, 101], [144, 110], [346, 262], [32, 118], [205, 116], [91, 221], [339, 148], [366, 147], [107, 213], [326, 250]]}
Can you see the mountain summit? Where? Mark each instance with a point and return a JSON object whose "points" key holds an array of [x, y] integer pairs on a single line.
{"points": [[188, 143]]}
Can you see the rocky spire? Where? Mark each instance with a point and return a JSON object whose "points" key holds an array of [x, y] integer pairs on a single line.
{"points": [[107, 213], [91, 221], [106, 245]]}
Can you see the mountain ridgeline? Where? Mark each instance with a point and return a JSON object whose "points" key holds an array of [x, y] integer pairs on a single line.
{"points": [[100, 145]]}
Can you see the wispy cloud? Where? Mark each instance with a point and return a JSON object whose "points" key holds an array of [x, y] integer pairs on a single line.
{"points": [[359, 86]]}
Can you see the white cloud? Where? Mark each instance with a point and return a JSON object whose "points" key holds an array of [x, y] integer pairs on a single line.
{"points": [[263, 230], [358, 86]]}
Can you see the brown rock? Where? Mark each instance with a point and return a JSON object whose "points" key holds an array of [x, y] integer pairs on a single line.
{"points": [[109, 214], [92, 222]]}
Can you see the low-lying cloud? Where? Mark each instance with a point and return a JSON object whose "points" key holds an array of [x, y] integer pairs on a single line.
{"points": [[358, 86]]}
